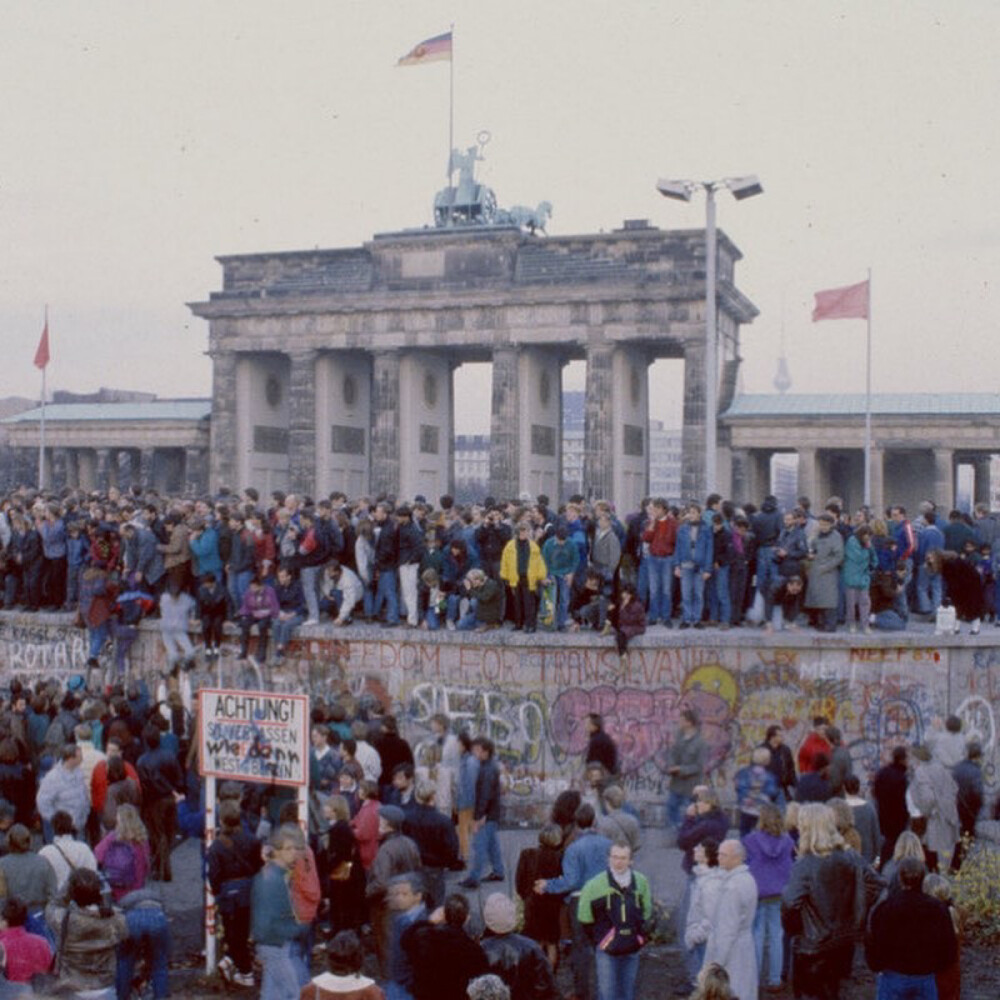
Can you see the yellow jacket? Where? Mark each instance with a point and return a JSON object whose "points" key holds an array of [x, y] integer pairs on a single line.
{"points": [[536, 564]]}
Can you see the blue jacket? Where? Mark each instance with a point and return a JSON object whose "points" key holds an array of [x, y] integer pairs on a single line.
{"points": [[274, 920], [205, 549], [700, 553], [586, 857]]}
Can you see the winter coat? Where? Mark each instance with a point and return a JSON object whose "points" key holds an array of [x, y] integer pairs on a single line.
{"points": [[520, 963], [561, 558], [689, 754], [397, 855], [606, 553], [536, 565], [859, 563], [541, 911], [730, 939], [704, 898], [889, 793], [177, 551], [828, 554], [88, 956], [66, 789], [770, 861], [965, 589], [934, 792], [792, 541], [826, 901], [205, 552], [766, 523], [866, 823], [755, 786], [616, 916], [631, 619], [696, 553], [489, 602], [694, 829]]}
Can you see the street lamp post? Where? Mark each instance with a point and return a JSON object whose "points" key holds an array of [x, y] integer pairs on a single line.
{"points": [[681, 190]]}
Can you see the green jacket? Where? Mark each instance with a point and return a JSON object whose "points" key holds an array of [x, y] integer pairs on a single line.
{"points": [[616, 918]]}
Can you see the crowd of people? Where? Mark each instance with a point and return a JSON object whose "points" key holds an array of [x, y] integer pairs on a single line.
{"points": [[270, 567], [788, 887]]}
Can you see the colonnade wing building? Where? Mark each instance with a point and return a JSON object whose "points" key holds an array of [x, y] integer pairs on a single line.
{"points": [[332, 369]]}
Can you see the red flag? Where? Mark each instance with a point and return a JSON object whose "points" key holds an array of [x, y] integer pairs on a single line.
{"points": [[42, 354], [850, 302]]}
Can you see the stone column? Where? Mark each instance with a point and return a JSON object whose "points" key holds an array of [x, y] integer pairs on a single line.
{"points": [[302, 422], [981, 479], [944, 478], [194, 477], [878, 480], [598, 426], [59, 464], [147, 468], [808, 484], [103, 469], [740, 476], [505, 424], [385, 422], [693, 431], [72, 468], [223, 448]]}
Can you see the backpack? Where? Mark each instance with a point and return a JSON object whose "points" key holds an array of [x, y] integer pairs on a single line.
{"points": [[119, 865]]}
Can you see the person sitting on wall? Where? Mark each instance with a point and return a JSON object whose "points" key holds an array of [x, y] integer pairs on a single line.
{"points": [[258, 610]]}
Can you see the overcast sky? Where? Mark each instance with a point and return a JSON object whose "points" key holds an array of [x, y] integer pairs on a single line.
{"points": [[141, 140]]}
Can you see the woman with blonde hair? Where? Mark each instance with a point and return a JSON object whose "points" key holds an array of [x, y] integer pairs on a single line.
{"points": [[843, 817], [825, 904], [123, 854], [908, 845], [344, 873], [713, 984]]}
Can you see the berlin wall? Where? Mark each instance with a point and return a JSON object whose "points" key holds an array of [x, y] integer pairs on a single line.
{"points": [[532, 697]]}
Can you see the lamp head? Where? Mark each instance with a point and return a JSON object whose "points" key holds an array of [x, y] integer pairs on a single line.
{"points": [[679, 190], [744, 187]]}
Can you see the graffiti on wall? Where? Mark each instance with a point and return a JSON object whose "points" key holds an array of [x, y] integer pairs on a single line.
{"points": [[533, 700], [28, 650]]}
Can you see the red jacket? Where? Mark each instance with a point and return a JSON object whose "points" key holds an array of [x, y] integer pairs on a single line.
{"points": [[99, 783], [365, 827], [661, 536], [812, 745]]}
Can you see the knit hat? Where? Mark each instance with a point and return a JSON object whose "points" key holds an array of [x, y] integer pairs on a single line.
{"points": [[499, 913], [393, 815]]}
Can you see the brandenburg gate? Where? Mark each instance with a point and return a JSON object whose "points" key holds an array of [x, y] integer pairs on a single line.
{"points": [[332, 369]]}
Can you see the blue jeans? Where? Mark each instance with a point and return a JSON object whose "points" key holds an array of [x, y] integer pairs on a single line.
{"points": [[309, 576], [767, 572], [642, 580], [433, 619], [238, 585], [676, 804], [720, 607], [486, 846], [562, 601], [661, 587], [387, 594], [149, 931], [767, 927], [284, 630], [896, 986], [98, 637], [929, 591], [616, 975], [280, 980], [692, 593]]}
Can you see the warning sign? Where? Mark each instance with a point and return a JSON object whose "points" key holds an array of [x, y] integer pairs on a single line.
{"points": [[254, 736]]}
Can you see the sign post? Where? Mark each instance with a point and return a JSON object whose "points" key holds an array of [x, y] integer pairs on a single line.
{"points": [[250, 736]]}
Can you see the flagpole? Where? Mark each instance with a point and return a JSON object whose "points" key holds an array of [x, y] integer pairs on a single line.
{"points": [[451, 101], [868, 400], [41, 435]]}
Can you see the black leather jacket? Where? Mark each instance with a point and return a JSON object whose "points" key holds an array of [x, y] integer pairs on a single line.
{"points": [[519, 962]]}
